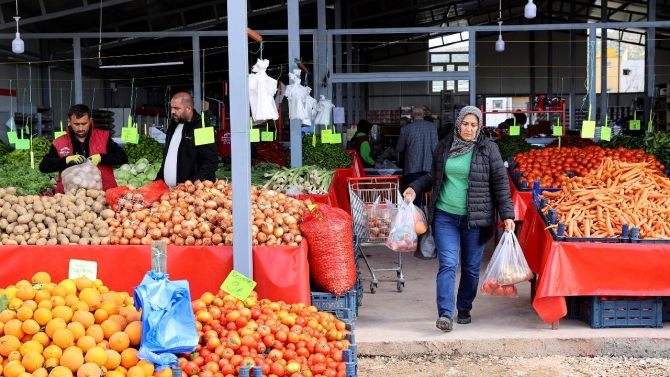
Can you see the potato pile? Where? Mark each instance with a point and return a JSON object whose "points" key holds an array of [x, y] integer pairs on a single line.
{"points": [[86, 176], [64, 219]]}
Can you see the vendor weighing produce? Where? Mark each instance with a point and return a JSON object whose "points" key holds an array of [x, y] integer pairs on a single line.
{"points": [[82, 141]]}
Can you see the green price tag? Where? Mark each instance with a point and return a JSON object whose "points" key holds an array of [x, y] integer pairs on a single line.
{"points": [[515, 130], [336, 139], [204, 135], [58, 134], [129, 135], [311, 207], [605, 133], [649, 127], [557, 131], [326, 136], [255, 135], [634, 125], [23, 144], [588, 129], [11, 136], [314, 139], [238, 285], [130, 121], [267, 135]]}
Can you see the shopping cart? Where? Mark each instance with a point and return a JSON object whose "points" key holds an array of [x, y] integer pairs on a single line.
{"points": [[374, 203]]}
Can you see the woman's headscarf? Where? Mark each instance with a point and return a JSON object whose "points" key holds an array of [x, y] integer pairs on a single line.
{"points": [[460, 147]]}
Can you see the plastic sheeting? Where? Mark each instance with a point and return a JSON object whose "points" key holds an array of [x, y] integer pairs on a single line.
{"points": [[521, 200], [340, 186], [590, 269], [122, 268]]}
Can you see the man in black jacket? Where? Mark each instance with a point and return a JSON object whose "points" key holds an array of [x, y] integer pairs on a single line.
{"points": [[182, 159]]}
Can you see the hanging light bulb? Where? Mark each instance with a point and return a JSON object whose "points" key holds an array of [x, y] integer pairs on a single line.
{"points": [[500, 44], [17, 44], [530, 11]]}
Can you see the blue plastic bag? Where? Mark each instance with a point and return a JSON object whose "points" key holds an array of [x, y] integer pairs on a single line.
{"points": [[168, 324]]}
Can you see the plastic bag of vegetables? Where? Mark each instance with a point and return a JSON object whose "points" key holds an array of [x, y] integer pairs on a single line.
{"points": [[507, 267], [407, 224], [85, 175]]}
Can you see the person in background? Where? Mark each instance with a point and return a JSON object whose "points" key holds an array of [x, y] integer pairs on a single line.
{"points": [[182, 159], [469, 184], [417, 142], [521, 120], [361, 143], [83, 141]]}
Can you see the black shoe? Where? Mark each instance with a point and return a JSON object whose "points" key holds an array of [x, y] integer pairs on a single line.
{"points": [[464, 317], [444, 323]]}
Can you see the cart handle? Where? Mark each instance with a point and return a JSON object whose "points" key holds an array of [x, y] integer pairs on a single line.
{"points": [[373, 179]]}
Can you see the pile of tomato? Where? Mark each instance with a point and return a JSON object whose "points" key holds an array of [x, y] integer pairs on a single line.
{"points": [[284, 340], [551, 165]]}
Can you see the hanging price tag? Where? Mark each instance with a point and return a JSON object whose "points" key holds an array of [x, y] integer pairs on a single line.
{"points": [[130, 120], [515, 130], [605, 133], [254, 133], [238, 285], [267, 135], [557, 131], [11, 136], [204, 135], [60, 133], [326, 136], [589, 127], [314, 139], [22, 144], [634, 125], [129, 135], [336, 139]]}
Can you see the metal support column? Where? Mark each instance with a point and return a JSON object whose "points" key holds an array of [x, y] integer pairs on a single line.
{"points": [[573, 69], [197, 93], [321, 58], [603, 64], [350, 61], [472, 47], [357, 86], [592, 81], [293, 10], [76, 46], [239, 135], [650, 58], [338, 61]]}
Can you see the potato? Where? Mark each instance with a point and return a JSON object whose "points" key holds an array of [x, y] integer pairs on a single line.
{"points": [[41, 226], [7, 205], [97, 207], [67, 232], [11, 190], [70, 214], [107, 214], [38, 208], [41, 241], [100, 224], [64, 241], [60, 217], [25, 218], [51, 213], [80, 223], [12, 243], [44, 233], [85, 235], [3, 223], [105, 241], [89, 201], [76, 230], [70, 226], [53, 233], [2, 192], [103, 232], [20, 239], [52, 241], [19, 229], [74, 238], [96, 241], [29, 199], [84, 241], [39, 217], [48, 221], [10, 215], [34, 230], [10, 228], [21, 210], [62, 224]]}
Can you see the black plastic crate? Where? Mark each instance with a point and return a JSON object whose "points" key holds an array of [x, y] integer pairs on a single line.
{"points": [[621, 312], [572, 302], [665, 311]]}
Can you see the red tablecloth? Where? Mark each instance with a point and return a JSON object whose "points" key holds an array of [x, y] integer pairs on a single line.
{"points": [[282, 272], [521, 200], [590, 269]]}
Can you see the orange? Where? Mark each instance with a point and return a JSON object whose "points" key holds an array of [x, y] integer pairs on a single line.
{"points": [[48, 286], [30, 327], [110, 306], [89, 370], [31, 345], [53, 325], [104, 345], [96, 332], [100, 315], [42, 316], [26, 337], [77, 329], [58, 291], [9, 343], [69, 285], [71, 299], [52, 352], [23, 283], [6, 315], [41, 278], [84, 317], [114, 373], [26, 293], [80, 305], [32, 361], [109, 327], [42, 372], [72, 358], [47, 304], [42, 295], [51, 363], [13, 327], [14, 355], [148, 367], [63, 338], [85, 343], [134, 331], [90, 296], [97, 283], [41, 338], [113, 360], [119, 319], [24, 312], [96, 355], [166, 372], [57, 301], [64, 312], [15, 303], [135, 372], [30, 303], [83, 282], [60, 371], [129, 313], [117, 297], [129, 358], [119, 341], [13, 369]]}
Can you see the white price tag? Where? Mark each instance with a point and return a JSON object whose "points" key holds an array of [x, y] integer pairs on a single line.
{"points": [[79, 268]]}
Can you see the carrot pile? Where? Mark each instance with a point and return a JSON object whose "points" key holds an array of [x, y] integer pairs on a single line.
{"points": [[617, 193]]}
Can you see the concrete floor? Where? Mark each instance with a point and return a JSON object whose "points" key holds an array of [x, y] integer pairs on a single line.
{"points": [[403, 324]]}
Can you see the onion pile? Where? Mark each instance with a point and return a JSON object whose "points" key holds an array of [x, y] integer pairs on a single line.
{"points": [[200, 213]]}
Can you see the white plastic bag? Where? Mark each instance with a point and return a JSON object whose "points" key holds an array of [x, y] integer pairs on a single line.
{"points": [[405, 228], [85, 175], [507, 267]]}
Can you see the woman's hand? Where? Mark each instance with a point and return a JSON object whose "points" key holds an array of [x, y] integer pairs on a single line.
{"points": [[509, 225], [409, 195]]}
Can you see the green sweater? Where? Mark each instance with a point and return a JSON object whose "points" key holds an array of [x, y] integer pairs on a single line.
{"points": [[454, 191], [365, 150]]}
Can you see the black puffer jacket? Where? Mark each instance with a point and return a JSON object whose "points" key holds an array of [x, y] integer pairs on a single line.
{"points": [[488, 186]]}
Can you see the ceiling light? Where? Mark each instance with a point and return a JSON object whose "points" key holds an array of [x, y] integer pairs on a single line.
{"points": [[17, 44], [141, 65], [530, 11], [500, 44]]}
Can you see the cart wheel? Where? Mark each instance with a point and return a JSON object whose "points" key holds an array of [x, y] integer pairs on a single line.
{"points": [[400, 286], [373, 288], [397, 273]]}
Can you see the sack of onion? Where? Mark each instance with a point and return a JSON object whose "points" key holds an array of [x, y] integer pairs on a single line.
{"points": [[200, 213]]}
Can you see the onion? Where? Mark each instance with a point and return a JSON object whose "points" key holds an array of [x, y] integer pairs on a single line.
{"points": [[140, 232], [186, 233], [179, 241], [114, 240], [267, 228], [228, 239], [124, 241], [278, 232], [287, 238], [189, 241], [165, 232], [278, 220], [298, 238], [197, 233], [217, 239], [290, 220], [261, 237], [128, 233]]}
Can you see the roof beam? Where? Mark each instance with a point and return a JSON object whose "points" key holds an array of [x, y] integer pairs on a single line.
{"points": [[50, 16]]}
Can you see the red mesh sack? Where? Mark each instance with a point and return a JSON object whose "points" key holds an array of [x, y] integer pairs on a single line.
{"points": [[113, 195], [331, 250], [152, 192]]}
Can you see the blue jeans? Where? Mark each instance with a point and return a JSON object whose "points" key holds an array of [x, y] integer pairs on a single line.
{"points": [[451, 236]]}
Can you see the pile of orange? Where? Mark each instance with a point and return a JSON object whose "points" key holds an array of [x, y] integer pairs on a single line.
{"points": [[76, 327]]}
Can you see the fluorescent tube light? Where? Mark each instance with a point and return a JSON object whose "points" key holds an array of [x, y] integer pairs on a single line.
{"points": [[141, 65]]}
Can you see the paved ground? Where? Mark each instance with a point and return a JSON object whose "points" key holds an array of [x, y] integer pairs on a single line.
{"points": [[403, 324]]}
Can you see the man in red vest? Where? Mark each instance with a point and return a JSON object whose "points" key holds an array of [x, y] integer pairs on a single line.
{"points": [[82, 141]]}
